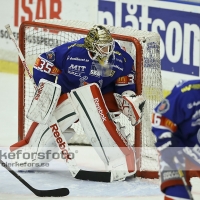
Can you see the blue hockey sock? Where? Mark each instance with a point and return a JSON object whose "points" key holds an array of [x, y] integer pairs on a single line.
{"points": [[177, 191]]}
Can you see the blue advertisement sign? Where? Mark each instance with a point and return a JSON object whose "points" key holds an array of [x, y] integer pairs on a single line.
{"points": [[179, 29]]}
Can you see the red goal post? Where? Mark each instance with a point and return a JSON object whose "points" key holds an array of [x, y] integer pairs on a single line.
{"points": [[42, 35]]}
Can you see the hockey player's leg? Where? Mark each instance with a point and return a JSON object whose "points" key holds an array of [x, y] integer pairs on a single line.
{"points": [[104, 134], [171, 183], [176, 192]]}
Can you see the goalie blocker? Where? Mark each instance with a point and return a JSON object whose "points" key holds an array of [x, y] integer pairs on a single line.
{"points": [[106, 136], [44, 101]]}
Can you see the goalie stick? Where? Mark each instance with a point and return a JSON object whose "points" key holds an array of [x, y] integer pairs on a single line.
{"points": [[60, 192], [77, 173]]}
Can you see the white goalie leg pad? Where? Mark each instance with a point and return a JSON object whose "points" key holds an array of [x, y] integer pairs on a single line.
{"points": [[40, 142], [34, 149], [40, 149], [44, 101], [102, 132]]}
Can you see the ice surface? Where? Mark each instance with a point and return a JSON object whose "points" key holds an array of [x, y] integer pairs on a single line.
{"points": [[57, 174]]}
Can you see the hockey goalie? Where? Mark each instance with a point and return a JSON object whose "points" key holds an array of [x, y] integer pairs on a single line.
{"points": [[90, 80]]}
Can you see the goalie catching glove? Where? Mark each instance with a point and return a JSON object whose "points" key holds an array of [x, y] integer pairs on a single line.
{"points": [[131, 105]]}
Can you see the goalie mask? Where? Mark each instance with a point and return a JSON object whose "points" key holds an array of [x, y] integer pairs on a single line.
{"points": [[100, 42]]}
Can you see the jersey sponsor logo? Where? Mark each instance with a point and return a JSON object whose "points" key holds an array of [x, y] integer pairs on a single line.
{"points": [[77, 59], [50, 56], [122, 80], [196, 123], [71, 46], [55, 71], [44, 65], [190, 87], [191, 105], [98, 71], [116, 66], [119, 60], [125, 80], [95, 73], [100, 111], [196, 114], [164, 106], [170, 175], [76, 70], [162, 122], [118, 53]]}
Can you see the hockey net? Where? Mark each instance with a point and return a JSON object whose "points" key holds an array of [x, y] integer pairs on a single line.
{"points": [[42, 35]]}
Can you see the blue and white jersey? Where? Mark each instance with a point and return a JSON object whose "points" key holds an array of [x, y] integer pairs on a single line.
{"points": [[74, 67], [179, 113]]}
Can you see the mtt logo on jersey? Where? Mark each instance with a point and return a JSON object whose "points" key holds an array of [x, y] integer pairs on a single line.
{"points": [[76, 70], [44, 65]]}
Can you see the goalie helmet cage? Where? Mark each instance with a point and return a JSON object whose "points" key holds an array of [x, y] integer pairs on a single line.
{"points": [[42, 35]]}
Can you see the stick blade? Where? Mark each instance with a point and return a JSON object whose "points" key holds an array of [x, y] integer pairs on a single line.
{"points": [[52, 193]]}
